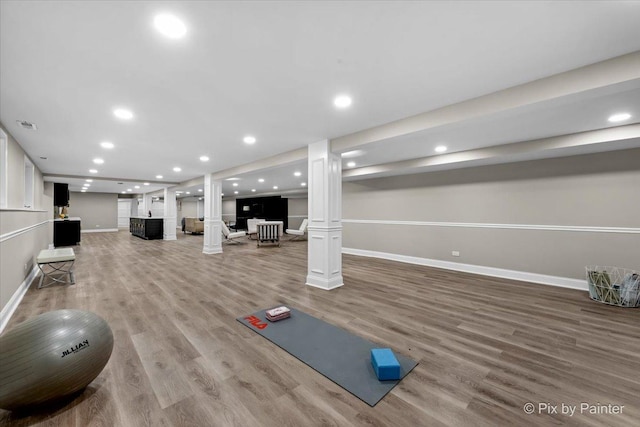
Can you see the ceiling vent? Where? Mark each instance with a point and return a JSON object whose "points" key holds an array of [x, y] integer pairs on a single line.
{"points": [[26, 125]]}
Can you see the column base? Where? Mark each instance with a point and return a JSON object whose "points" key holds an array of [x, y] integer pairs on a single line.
{"points": [[327, 285], [212, 251]]}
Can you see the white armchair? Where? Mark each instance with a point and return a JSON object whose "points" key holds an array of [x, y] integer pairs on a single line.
{"points": [[229, 236], [300, 231], [252, 226]]}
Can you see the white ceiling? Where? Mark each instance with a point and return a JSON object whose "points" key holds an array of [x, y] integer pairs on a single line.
{"points": [[271, 69], [588, 111], [103, 186]]}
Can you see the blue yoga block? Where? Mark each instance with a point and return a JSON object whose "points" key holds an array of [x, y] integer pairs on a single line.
{"points": [[385, 364]]}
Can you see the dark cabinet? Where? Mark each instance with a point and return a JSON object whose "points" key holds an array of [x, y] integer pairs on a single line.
{"points": [[60, 194], [66, 232], [147, 228]]}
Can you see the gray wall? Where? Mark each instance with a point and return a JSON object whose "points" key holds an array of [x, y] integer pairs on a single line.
{"points": [[188, 208], [98, 211], [598, 190], [23, 233], [297, 211], [229, 210]]}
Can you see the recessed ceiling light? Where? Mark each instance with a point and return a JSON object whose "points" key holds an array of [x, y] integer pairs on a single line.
{"points": [[351, 164], [304, 184], [93, 170], [199, 189], [137, 186], [297, 173], [188, 192], [86, 185], [129, 189], [158, 176], [123, 114], [177, 169], [204, 158], [146, 183], [233, 179], [275, 187], [440, 149], [200, 198], [620, 117], [222, 194], [89, 180], [106, 144], [235, 184], [83, 191], [169, 26], [260, 179], [235, 192], [249, 139], [342, 101], [253, 190], [98, 161], [123, 192]]}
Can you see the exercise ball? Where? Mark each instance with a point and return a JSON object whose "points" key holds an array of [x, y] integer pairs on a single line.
{"points": [[51, 356]]}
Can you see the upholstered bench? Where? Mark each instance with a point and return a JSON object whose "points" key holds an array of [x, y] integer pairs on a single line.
{"points": [[56, 261]]}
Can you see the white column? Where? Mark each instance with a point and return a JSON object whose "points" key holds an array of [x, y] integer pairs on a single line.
{"points": [[145, 207], [324, 259], [170, 221], [134, 207], [212, 215]]}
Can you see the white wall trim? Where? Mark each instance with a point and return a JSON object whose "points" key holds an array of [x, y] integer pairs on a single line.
{"points": [[578, 228], [100, 230], [12, 305], [297, 216], [15, 233], [4, 167], [563, 282], [21, 210]]}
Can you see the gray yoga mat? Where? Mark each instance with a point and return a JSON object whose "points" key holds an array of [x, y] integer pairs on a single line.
{"points": [[339, 355]]}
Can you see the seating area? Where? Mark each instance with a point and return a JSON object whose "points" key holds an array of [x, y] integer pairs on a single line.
{"points": [[193, 225], [258, 229]]}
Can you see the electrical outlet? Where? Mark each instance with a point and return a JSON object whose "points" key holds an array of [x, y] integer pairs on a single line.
{"points": [[455, 253]]}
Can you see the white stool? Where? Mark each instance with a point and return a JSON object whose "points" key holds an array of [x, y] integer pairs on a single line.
{"points": [[58, 261]]}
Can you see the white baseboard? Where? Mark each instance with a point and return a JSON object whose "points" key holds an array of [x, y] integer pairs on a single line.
{"points": [[563, 282], [100, 230], [12, 305]]}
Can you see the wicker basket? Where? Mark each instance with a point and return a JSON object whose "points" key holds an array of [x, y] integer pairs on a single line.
{"points": [[614, 285]]}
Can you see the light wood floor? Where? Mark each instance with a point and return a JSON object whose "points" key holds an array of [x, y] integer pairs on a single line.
{"points": [[485, 346]]}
